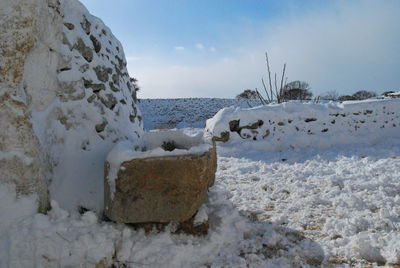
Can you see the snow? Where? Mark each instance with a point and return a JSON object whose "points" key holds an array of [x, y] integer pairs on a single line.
{"points": [[9, 155], [395, 94], [201, 216], [267, 209], [13, 208], [299, 197], [186, 112], [63, 118], [347, 199], [301, 125]]}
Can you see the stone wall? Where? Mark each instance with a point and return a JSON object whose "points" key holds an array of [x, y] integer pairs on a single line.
{"points": [[65, 99], [296, 125]]}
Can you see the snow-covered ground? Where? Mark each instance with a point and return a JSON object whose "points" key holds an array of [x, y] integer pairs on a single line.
{"points": [[346, 199], [282, 209], [335, 206]]}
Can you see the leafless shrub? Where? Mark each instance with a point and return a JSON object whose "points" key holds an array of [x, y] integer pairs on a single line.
{"points": [[272, 93]]}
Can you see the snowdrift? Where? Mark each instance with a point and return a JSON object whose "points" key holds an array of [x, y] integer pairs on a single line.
{"points": [[296, 125]]}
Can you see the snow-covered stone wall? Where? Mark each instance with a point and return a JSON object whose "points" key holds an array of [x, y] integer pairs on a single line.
{"points": [[296, 125], [65, 99]]}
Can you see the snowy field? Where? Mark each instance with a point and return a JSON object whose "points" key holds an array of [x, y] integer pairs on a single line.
{"points": [[185, 112], [337, 207]]}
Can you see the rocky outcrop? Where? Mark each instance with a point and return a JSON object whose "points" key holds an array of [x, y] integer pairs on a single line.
{"points": [[65, 99], [164, 188]]}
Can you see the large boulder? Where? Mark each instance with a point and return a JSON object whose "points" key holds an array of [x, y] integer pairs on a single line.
{"points": [[167, 182], [65, 99]]}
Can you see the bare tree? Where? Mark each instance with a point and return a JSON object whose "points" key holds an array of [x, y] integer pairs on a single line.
{"points": [[297, 90], [271, 92], [332, 95], [363, 95], [346, 98], [248, 94]]}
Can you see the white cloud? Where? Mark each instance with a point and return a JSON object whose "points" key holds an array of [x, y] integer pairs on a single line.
{"points": [[213, 49], [133, 58], [179, 48], [353, 46], [200, 46]]}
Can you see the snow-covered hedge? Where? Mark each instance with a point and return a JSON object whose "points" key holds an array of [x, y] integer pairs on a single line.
{"points": [[295, 125]]}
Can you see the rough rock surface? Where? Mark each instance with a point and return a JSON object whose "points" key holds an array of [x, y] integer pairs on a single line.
{"points": [[161, 189], [65, 99]]}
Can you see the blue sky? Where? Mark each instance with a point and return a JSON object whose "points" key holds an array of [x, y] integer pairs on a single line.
{"points": [[215, 48]]}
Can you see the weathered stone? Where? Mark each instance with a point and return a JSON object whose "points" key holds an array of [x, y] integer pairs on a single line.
{"points": [[71, 91], [84, 68], [91, 98], [102, 73], [96, 44], [121, 62], [113, 88], [307, 120], [95, 87], [160, 189], [234, 125], [85, 24], [255, 125], [70, 26], [224, 137], [246, 132], [100, 127], [84, 50], [109, 101], [115, 79]]}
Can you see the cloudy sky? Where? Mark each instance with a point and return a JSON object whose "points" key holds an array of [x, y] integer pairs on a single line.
{"points": [[215, 48]]}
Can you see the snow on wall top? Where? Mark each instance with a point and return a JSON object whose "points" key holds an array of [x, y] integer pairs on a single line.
{"points": [[295, 125], [75, 86]]}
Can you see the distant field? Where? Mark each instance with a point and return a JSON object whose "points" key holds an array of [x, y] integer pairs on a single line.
{"points": [[185, 112]]}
